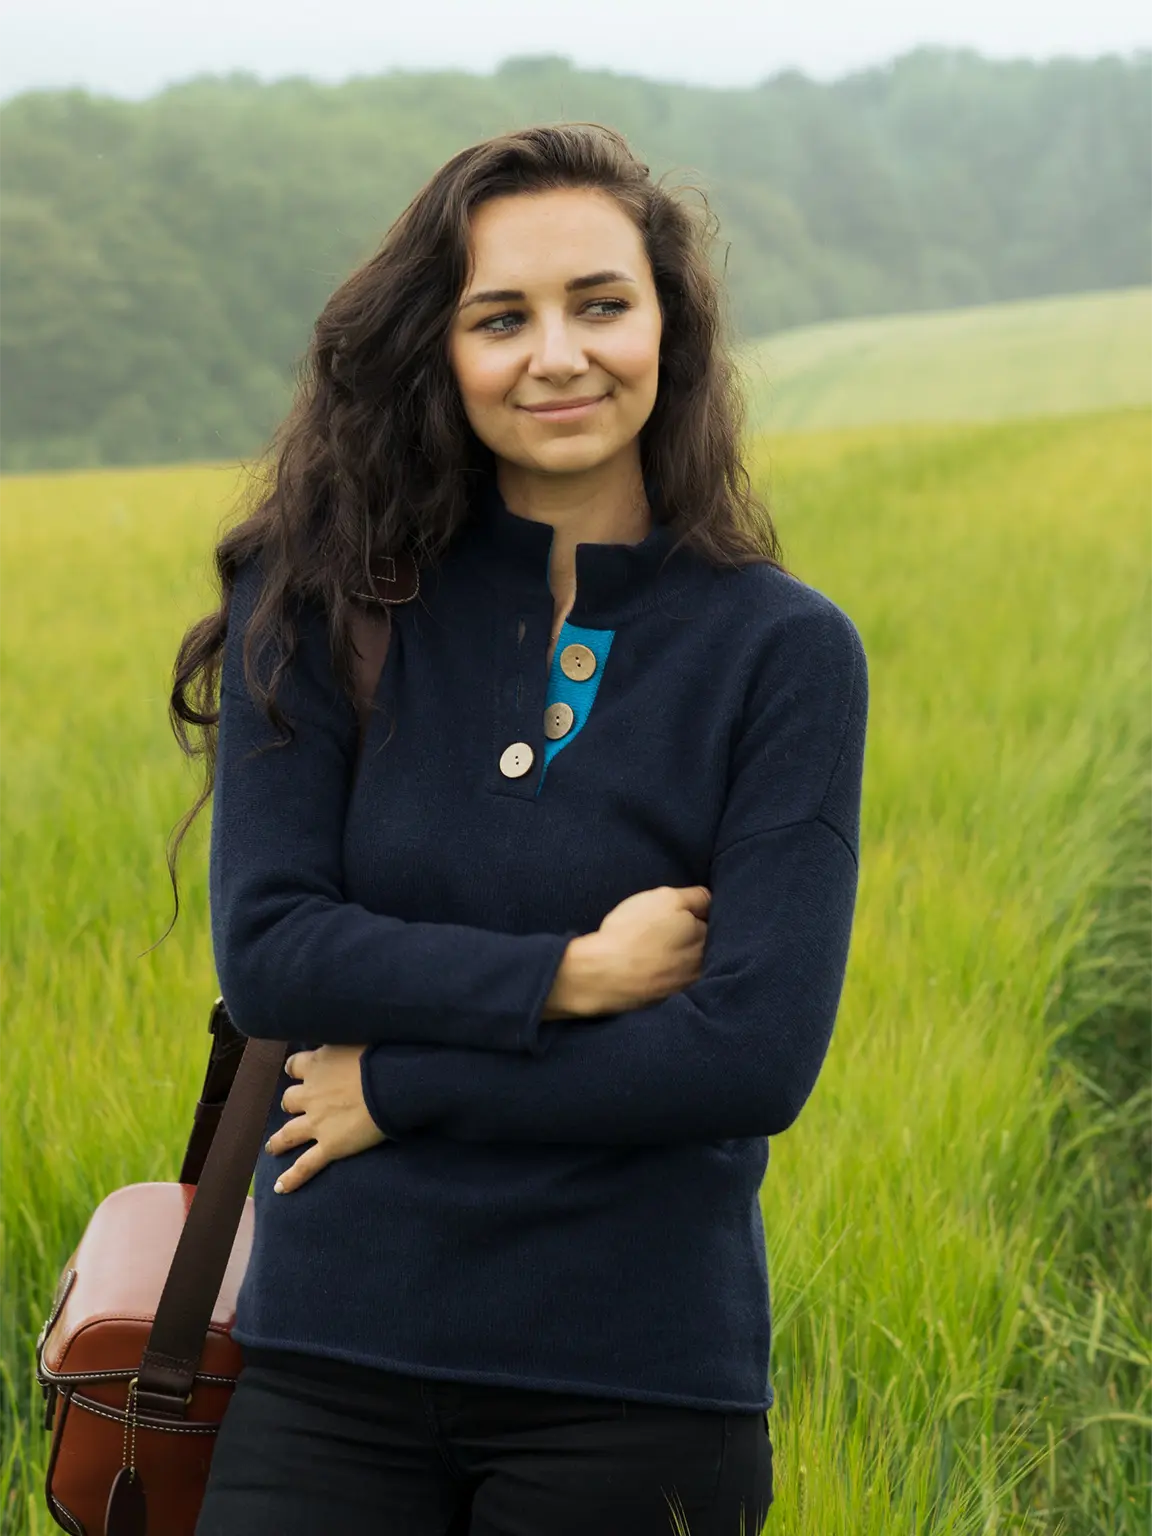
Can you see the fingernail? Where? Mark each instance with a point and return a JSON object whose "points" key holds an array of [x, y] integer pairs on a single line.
{"points": [[279, 1186], [268, 1145]]}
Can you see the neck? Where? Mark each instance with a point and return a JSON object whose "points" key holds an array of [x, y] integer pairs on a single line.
{"points": [[605, 505]]}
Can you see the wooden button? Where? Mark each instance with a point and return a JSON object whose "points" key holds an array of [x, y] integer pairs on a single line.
{"points": [[577, 662], [516, 760], [558, 720]]}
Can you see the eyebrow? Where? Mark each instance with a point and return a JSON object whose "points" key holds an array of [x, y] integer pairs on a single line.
{"points": [[505, 295]]}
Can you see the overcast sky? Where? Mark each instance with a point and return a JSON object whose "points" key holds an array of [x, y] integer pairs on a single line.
{"points": [[135, 47]]}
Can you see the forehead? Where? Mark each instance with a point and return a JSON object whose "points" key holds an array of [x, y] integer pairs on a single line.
{"points": [[543, 237]]}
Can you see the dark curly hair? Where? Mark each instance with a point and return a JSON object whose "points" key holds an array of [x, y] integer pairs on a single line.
{"points": [[376, 454]]}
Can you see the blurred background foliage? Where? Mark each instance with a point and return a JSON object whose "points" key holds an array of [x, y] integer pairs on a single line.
{"points": [[162, 261]]}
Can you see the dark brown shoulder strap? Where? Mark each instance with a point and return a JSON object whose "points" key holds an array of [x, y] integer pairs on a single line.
{"points": [[176, 1339], [227, 1048]]}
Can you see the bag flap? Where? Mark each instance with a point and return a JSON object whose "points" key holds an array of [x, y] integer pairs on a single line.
{"points": [[120, 1265]]}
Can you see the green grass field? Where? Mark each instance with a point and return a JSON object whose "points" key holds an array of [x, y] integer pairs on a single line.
{"points": [[958, 1224], [989, 362]]}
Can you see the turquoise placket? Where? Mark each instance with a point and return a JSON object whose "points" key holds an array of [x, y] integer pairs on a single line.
{"points": [[579, 694]]}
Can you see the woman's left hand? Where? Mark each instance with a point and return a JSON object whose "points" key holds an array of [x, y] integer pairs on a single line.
{"points": [[327, 1105]]}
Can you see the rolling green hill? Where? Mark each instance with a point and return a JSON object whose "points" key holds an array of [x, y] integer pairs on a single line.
{"points": [[1037, 357]]}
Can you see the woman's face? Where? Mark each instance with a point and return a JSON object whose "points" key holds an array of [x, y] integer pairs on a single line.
{"points": [[522, 337]]}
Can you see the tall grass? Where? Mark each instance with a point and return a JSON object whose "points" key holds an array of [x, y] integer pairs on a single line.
{"points": [[936, 1218], [957, 1225]]}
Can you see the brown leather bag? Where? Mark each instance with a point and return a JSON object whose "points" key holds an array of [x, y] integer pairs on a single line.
{"points": [[136, 1359]]}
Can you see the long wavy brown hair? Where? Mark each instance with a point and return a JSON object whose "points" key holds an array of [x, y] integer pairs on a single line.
{"points": [[376, 454]]}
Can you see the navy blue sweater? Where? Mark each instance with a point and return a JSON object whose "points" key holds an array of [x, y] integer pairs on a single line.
{"points": [[561, 1204]]}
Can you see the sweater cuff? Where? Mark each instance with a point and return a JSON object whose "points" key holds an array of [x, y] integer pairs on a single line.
{"points": [[536, 1034], [534, 1037], [371, 1101]]}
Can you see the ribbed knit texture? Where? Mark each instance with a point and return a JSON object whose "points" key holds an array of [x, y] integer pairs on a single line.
{"points": [[567, 1204]]}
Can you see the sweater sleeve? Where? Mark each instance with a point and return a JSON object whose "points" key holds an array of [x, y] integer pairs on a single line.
{"points": [[737, 1053], [295, 960]]}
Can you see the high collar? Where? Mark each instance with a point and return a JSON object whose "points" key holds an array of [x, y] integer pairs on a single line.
{"points": [[612, 580]]}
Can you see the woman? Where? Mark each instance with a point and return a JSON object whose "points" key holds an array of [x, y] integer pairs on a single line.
{"points": [[565, 945]]}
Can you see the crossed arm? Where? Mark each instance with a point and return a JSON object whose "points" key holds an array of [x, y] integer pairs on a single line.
{"points": [[452, 1044]]}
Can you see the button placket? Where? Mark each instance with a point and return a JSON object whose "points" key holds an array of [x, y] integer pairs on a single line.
{"points": [[530, 727], [573, 681], [577, 662]]}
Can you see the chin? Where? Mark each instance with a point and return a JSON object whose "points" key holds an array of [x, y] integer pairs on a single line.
{"points": [[569, 458]]}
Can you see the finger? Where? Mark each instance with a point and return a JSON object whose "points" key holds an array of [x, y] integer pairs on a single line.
{"points": [[293, 1133], [297, 1063], [290, 1099], [306, 1167]]}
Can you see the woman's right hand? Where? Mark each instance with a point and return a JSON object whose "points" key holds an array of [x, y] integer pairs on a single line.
{"points": [[646, 948]]}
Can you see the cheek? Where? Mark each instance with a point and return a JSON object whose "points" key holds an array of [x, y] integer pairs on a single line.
{"points": [[633, 354], [483, 377]]}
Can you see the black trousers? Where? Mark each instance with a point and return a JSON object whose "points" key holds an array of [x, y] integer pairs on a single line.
{"points": [[312, 1447]]}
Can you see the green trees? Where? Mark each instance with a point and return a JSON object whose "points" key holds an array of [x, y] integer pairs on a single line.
{"points": [[162, 261]]}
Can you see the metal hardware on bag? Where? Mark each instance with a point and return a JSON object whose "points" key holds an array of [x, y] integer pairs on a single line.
{"points": [[170, 1401]]}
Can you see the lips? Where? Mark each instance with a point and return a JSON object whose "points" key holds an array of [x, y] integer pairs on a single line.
{"points": [[563, 405]]}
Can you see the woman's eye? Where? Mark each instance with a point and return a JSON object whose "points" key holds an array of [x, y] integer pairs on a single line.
{"points": [[493, 323], [510, 320]]}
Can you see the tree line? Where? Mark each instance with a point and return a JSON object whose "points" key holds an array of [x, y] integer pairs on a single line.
{"points": [[161, 261]]}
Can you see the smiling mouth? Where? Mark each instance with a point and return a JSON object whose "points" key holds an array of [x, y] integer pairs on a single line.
{"points": [[564, 412]]}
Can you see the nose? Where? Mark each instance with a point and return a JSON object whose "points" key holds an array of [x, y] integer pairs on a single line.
{"points": [[558, 350]]}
